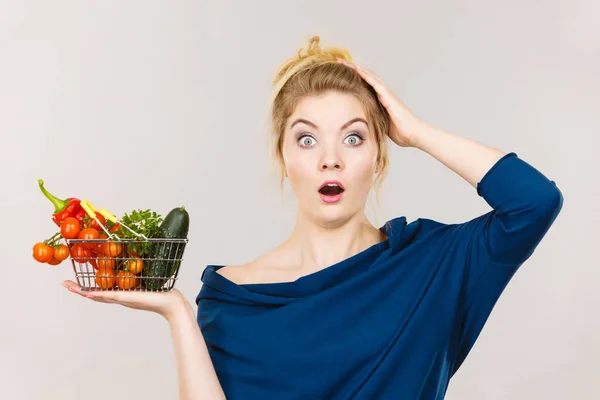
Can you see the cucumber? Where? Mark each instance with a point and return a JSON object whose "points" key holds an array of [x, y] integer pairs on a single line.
{"points": [[162, 264]]}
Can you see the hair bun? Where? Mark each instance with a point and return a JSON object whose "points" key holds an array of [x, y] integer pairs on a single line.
{"points": [[314, 50], [312, 53]]}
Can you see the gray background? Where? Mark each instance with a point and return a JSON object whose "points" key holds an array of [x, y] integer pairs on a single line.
{"points": [[158, 104]]}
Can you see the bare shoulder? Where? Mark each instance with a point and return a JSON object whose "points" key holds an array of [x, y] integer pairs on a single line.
{"points": [[235, 273], [242, 274], [255, 271]]}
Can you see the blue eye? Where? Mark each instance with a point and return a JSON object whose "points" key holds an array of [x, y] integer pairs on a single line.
{"points": [[303, 138], [356, 142]]}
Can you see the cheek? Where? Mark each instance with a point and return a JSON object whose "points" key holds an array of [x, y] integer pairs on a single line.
{"points": [[300, 169], [364, 175], [363, 166]]}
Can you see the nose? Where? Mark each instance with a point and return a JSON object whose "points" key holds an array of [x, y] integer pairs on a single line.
{"points": [[331, 162]]}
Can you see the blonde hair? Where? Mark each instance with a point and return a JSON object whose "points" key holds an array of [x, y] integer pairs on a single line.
{"points": [[312, 72]]}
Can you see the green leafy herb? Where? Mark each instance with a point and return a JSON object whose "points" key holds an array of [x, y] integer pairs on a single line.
{"points": [[146, 222]]}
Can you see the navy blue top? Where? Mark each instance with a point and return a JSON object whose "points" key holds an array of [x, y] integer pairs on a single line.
{"points": [[394, 321]]}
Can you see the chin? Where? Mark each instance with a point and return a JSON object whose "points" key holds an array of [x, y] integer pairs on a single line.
{"points": [[333, 215]]}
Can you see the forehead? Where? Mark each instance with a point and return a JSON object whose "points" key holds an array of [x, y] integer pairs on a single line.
{"points": [[328, 110]]}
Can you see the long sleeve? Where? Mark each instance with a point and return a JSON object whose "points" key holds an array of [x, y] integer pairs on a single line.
{"points": [[525, 204]]}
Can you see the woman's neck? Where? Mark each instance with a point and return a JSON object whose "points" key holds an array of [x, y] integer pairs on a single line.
{"points": [[315, 245]]}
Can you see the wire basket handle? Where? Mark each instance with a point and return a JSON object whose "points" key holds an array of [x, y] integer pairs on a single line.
{"points": [[114, 219], [89, 209]]}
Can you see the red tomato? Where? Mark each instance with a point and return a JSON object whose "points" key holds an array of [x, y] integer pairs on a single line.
{"points": [[88, 233], [70, 228], [134, 265], [80, 253], [105, 279], [126, 280], [114, 228], [106, 264], [112, 249], [54, 261], [96, 247], [92, 223], [61, 252], [42, 252]]}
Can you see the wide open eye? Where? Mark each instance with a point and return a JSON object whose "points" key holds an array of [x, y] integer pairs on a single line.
{"points": [[304, 140], [359, 139]]}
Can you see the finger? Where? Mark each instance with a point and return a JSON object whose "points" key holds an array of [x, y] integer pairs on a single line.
{"points": [[372, 79], [362, 70], [372, 74], [385, 95], [68, 284], [73, 287]]}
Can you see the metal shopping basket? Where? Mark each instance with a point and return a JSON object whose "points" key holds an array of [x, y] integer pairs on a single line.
{"points": [[113, 263]]}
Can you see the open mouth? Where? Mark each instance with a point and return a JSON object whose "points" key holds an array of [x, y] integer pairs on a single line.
{"points": [[331, 189]]}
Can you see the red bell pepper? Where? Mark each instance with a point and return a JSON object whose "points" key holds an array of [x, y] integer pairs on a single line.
{"points": [[63, 209]]}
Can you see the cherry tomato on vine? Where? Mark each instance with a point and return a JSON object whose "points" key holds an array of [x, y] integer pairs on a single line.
{"points": [[61, 252], [42, 252], [54, 261]]}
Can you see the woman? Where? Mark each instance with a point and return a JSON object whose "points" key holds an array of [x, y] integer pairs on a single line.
{"points": [[343, 309]]}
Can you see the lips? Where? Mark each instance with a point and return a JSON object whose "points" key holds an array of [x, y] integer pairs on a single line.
{"points": [[326, 183]]}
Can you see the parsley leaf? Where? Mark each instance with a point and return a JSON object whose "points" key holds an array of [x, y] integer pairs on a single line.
{"points": [[146, 222]]}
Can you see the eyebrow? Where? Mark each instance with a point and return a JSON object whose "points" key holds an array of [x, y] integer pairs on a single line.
{"points": [[347, 124]]}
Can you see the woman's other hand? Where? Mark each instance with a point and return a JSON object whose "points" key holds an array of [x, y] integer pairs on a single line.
{"points": [[405, 126]]}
